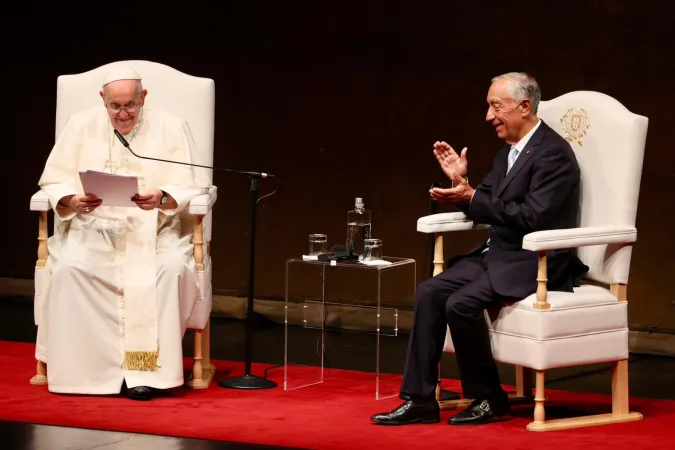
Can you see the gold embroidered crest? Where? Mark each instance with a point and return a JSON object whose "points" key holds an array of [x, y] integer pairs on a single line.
{"points": [[575, 123]]}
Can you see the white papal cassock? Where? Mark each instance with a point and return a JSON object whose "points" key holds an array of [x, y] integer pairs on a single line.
{"points": [[121, 280]]}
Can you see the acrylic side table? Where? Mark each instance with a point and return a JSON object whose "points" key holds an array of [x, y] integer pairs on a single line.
{"points": [[348, 296]]}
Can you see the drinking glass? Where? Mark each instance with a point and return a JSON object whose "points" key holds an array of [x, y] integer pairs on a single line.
{"points": [[372, 249], [317, 244]]}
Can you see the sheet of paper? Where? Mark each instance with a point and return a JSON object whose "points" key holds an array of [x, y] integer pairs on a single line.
{"points": [[114, 190]]}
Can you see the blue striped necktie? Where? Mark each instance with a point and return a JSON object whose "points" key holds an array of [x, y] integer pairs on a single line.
{"points": [[513, 154]]}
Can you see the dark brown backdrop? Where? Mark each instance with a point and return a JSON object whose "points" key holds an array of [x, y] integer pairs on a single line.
{"points": [[340, 103]]}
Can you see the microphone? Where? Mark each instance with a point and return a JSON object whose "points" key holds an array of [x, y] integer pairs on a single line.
{"points": [[338, 253], [240, 172]]}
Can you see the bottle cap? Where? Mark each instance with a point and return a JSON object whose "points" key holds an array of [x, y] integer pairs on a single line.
{"points": [[359, 202]]}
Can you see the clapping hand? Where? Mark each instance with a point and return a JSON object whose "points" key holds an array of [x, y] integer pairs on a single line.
{"points": [[455, 167], [451, 163], [461, 193]]}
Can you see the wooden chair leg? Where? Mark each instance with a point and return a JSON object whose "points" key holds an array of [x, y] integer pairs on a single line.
{"points": [[620, 412], [539, 400], [197, 368], [438, 254], [523, 386], [523, 381], [40, 377], [202, 369]]}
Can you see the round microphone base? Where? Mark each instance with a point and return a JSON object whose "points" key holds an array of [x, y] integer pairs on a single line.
{"points": [[248, 382]]}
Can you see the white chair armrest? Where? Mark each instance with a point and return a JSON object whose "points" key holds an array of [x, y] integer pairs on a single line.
{"points": [[440, 223], [39, 202], [579, 237], [202, 204]]}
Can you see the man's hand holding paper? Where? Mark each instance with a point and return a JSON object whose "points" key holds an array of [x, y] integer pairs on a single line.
{"points": [[148, 200], [112, 190], [81, 203]]}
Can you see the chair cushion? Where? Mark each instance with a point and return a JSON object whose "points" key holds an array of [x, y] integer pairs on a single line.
{"points": [[589, 310]]}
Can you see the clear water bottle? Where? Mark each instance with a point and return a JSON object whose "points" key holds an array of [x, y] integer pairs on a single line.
{"points": [[358, 227]]}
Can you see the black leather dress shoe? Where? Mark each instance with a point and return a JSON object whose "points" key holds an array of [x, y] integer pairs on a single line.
{"points": [[410, 412], [141, 393], [480, 411]]}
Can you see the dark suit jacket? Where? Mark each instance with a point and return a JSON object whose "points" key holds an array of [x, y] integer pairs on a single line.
{"points": [[540, 192]]}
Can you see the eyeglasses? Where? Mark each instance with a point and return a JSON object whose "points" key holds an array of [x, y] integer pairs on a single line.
{"points": [[130, 108]]}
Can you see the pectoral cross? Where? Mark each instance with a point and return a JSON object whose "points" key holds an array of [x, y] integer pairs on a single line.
{"points": [[112, 166]]}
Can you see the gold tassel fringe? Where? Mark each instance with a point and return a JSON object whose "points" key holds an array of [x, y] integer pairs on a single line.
{"points": [[144, 361]]}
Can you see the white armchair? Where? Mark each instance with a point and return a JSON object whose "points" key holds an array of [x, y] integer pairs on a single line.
{"points": [[555, 329], [193, 99]]}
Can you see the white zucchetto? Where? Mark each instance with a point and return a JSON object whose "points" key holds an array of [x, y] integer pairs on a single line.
{"points": [[120, 72]]}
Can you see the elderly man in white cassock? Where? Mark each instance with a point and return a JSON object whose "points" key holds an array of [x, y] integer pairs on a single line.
{"points": [[117, 275]]}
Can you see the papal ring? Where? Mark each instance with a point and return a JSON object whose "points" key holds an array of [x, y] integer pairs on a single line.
{"points": [[86, 209]]}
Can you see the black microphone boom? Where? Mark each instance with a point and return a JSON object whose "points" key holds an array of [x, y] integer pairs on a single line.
{"points": [[247, 381], [240, 172]]}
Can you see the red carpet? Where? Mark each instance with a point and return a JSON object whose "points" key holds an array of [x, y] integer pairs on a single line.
{"points": [[332, 415]]}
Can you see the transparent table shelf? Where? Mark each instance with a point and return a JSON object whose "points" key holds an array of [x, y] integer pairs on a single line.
{"points": [[348, 296]]}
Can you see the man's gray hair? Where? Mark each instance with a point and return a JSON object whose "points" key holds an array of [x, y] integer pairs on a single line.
{"points": [[522, 86]]}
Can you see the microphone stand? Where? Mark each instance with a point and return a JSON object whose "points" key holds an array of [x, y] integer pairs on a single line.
{"points": [[247, 381]]}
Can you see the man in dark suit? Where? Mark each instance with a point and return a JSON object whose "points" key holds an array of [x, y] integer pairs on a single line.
{"points": [[534, 185]]}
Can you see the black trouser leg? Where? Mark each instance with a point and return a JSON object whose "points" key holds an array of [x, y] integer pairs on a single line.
{"points": [[427, 337], [471, 338]]}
